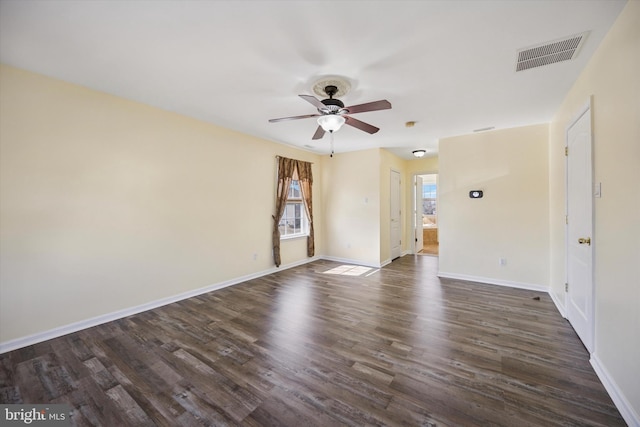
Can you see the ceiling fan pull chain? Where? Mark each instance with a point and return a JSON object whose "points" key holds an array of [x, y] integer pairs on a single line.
{"points": [[331, 144]]}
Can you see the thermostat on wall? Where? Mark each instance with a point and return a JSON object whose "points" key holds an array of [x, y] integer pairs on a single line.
{"points": [[475, 194]]}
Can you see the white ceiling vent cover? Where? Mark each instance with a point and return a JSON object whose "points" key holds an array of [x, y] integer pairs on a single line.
{"points": [[550, 52]]}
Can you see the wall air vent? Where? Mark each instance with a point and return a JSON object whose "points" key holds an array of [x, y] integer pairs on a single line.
{"points": [[550, 52]]}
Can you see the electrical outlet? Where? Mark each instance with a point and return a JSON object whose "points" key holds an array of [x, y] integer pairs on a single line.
{"points": [[502, 261]]}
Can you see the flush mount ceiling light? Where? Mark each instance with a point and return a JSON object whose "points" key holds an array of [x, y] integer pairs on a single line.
{"points": [[331, 122], [419, 153]]}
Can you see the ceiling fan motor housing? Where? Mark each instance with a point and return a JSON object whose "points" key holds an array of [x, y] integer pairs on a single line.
{"points": [[333, 105]]}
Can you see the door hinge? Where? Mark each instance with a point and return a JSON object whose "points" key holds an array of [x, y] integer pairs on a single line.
{"points": [[566, 219], [566, 151], [566, 287]]}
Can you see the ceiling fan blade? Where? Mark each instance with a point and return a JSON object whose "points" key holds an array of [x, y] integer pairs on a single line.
{"points": [[370, 106], [361, 125], [282, 119], [319, 133], [313, 101]]}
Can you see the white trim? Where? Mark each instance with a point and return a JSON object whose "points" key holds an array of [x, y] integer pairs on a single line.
{"points": [[109, 317], [387, 262], [414, 229], [558, 303], [630, 416], [591, 338], [519, 285], [294, 236], [623, 405], [585, 107], [491, 281], [402, 232]]}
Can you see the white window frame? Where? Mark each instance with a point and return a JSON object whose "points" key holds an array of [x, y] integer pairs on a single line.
{"points": [[294, 199], [433, 199]]}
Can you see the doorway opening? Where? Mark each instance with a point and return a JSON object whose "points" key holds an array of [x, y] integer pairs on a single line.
{"points": [[426, 214]]}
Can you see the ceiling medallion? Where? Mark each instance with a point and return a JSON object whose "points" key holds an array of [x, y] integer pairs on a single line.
{"points": [[340, 83]]}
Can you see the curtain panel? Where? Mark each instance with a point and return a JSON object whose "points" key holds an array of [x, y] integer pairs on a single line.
{"points": [[288, 170]]}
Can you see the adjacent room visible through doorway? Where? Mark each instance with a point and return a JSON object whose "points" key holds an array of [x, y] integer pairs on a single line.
{"points": [[427, 213]]}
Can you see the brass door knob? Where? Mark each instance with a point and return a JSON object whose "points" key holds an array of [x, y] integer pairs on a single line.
{"points": [[585, 241]]}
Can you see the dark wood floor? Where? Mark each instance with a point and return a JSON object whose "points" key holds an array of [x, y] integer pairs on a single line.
{"points": [[318, 345]]}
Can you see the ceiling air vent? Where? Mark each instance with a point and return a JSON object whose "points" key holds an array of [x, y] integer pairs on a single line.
{"points": [[550, 52]]}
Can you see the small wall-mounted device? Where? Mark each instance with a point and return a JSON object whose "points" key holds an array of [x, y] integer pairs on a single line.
{"points": [[475, 194]]}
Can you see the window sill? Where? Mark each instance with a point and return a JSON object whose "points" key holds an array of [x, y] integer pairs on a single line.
{"points": [[294, 237]]}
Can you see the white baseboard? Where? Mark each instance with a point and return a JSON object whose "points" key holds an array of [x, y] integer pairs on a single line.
{"points": [[626, 410], [559, 305], [386, 262], [108, 317], [630, 416], [492, 281]]}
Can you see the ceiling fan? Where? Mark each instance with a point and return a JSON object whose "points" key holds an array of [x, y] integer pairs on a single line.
{"points": [[332, 113]]}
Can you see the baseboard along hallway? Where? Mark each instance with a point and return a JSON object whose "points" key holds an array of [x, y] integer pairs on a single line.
{"points": [[324, 344]]}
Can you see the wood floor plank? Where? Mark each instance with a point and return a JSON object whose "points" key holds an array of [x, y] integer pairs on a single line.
{"points": [[309, 346]]}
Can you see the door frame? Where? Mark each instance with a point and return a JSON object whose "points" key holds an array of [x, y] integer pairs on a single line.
{"points": [[413, 180], [392, 255], [418, 235], [590, 345]]}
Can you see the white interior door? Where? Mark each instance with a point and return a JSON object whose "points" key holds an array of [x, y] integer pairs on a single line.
{"points": [[580, 288], [417, 215], [396, 214]]}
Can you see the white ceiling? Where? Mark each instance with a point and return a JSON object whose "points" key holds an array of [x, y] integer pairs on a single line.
{"points": [[448, 65]]}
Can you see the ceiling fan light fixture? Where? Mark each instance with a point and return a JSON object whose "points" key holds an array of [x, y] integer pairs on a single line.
{"points": [[331, 122], [419, 153]]}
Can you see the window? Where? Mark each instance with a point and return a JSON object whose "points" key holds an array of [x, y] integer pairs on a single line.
{"points": [[294, 222], [429, 197]]}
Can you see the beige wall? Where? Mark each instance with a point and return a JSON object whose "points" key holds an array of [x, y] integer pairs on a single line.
{"points": [[108, 204], [510, 221], [611, 79], [351, 201], [357, 190], [425, 165]]}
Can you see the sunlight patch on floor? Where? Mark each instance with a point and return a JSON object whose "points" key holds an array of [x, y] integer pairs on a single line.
{"points": [[349, 270]]}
